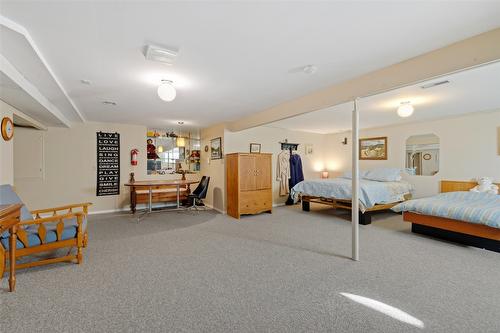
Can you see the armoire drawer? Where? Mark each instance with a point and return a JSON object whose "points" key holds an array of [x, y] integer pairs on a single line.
{"points": [[252, 202]]}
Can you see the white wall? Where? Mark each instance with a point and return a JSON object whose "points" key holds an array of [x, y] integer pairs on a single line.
{"points": [[6, 148], [467, 149], [215, 169], [70, 165]]}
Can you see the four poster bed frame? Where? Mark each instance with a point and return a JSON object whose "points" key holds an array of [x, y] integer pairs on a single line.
{"points": [[467, 233], [364, 218]]}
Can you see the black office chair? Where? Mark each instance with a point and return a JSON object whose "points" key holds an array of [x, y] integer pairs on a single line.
{"points": [[200, 192]]}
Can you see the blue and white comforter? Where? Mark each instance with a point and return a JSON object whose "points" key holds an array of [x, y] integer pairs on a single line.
{"points": [[372, 192], [481, 208]]}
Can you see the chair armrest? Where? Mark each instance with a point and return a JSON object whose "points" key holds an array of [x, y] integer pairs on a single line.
{"points": [[84, 206]]}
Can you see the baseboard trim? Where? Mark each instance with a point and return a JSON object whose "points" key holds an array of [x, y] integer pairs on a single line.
{"points": [[124, 209], [216, 209], [107, 211]]}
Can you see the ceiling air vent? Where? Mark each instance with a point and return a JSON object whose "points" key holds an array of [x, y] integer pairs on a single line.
{"points": [[434, 84], [160, 54]]}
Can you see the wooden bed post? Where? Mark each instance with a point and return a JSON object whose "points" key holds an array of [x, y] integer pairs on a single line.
{"points": [[355, 182]]}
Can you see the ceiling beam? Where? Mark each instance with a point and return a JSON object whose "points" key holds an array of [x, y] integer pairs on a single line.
{"points": [[11, 72], [9, 24], [468, 53]]}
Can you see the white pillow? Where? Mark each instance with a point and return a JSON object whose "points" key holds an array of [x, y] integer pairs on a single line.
{"points": [[384, 175], [348, 174]]}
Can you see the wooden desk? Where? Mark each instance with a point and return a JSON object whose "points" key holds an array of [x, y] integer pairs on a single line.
{"points": [[9, 218], [149, 184]]}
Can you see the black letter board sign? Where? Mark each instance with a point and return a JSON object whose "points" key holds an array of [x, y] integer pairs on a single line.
{"points": [[108, 164]]}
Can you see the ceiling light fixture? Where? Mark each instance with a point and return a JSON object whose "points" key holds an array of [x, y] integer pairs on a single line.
{"points": [[405, 109], [166, 91], [309, 69], [181, 141], [434, 84], [109, 103]]}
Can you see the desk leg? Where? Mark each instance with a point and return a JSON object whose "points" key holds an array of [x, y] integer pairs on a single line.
{"points": [[178, 196], [12, 258], [150, 202]]}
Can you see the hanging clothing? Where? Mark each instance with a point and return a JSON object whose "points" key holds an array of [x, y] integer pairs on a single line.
{"points": [[296, 174], [283, 172]]}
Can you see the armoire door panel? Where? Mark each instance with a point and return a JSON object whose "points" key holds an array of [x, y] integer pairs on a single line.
{"points": [[263, 172], [247, 173]]}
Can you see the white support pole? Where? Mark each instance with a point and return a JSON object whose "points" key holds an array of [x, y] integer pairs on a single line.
{"points": [[355, 182]]}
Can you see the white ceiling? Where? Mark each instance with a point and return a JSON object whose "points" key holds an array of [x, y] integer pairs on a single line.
{"points": [[474, 90], [235, 58]]}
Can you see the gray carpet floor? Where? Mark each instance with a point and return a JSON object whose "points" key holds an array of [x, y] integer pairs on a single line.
{"points": [[178, 272]]}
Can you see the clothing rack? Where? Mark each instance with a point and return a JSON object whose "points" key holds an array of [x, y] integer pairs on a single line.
{"points": [[289, 146]]}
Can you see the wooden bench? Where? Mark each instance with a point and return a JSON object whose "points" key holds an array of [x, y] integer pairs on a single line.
{"points": [[39, 231]]}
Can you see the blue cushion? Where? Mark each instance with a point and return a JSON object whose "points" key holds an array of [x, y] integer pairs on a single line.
{"points": [[50, 237], [33, 240], [8, 197]]}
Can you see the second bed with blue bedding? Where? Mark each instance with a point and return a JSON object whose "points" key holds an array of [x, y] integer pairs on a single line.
{"points": [[473, 207]]}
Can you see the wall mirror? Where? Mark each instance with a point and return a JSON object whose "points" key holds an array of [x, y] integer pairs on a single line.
{"points": [[169, 152], [422, 155]]}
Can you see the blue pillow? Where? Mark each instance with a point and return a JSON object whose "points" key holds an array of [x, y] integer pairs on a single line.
{"points": [[348, 174], [384, 175]]}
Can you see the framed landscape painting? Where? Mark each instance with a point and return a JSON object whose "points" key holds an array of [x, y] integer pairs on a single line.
{"points": [[373, 148], [216, 148]]}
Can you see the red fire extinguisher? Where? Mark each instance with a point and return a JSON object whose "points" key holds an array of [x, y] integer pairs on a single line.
{"points": [[133, 156]]}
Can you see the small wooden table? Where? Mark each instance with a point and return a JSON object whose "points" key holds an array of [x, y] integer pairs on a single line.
{"points": [[9, 218], [149, 184]]}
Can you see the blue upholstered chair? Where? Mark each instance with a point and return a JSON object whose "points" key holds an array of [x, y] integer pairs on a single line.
{"points": [[44, 230]]}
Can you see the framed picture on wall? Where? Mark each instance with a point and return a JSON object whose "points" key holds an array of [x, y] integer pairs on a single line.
{"points": [[373, 148], [309, 149], [216, 148], [255, 148]]}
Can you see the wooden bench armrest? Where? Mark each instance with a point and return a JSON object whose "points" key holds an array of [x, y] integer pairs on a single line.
{"points": [[54, 218], [69, 208], [22, 234]]}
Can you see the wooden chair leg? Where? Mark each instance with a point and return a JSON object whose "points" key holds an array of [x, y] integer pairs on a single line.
{"points": [[85, 239], [12, 258], [2, 261], [79, 255]]}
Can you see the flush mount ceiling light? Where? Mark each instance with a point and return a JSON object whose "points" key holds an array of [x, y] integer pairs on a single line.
{"points": [[109, 103], [309, 69], [405, 109], [166, 91]]}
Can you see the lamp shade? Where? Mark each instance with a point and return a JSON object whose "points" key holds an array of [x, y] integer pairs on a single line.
{"points": [[405, 110], [181, 142], [324, 174], [166, 91]]}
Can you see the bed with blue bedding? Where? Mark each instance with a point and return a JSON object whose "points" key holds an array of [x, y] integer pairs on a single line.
{"points": [[337, 192], [472, 207], [466, 217]]}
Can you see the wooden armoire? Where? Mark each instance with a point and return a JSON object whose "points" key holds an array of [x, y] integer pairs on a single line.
{"points": [[248, 184]]}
